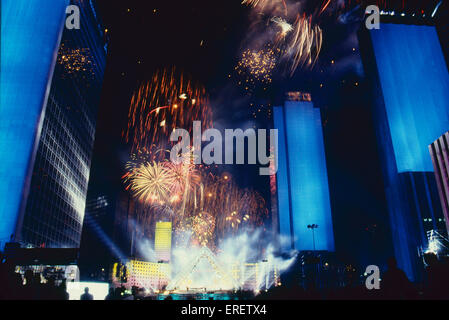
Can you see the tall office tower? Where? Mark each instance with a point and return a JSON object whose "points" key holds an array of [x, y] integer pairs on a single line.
{"points": [[411, 110], [30, 36], [162, 241], [439, 151], [55, 160], [302, 183]]}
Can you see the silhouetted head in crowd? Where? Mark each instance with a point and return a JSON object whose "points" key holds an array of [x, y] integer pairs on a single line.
{"points": [[431, 259], [29, 275], [36, 278], [51, 281]]}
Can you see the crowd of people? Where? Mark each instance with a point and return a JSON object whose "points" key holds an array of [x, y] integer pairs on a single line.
{"points": [[394, 286], [29, 286]]}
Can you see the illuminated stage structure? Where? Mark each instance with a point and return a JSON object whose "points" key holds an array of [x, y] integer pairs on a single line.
{"points": [[247, 276], [218, 278], [51, 79], [256, 276], [202, 273], [411, 110], [437, 243], [302, 183]]}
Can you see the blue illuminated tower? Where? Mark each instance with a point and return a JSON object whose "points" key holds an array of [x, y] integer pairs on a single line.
{"points": [[411, 110], [302, 183], [51, 79], [30, 35]]}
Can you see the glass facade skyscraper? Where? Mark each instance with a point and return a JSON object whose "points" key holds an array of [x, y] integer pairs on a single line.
{"points": [[30, 36], [53, 211], [56, 204]]}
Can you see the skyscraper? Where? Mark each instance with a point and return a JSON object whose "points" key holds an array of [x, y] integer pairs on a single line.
{"points": [[52, 147], [302, 183], [28, 51], [409, 76], [162, 241], [439, 151]]}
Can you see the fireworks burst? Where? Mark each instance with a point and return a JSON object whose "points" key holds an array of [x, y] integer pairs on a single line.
{"points": [[170, 100], [203, 207], [185, 176], [256, 67], [150, 183], [197, 202]]}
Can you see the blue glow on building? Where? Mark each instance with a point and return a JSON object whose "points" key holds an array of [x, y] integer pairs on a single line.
{"points": [[282, 181], [303, 191], [411, 110], [415, 86], [30, 35]]}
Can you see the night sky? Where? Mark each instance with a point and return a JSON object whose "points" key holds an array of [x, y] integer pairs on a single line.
{"points": [[205, 39]]}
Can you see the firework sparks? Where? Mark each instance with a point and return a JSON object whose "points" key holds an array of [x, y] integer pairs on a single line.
{"points": [[170, 100], [325, 5], [75, 61], [203, 226], [233, 219], [284, 26], [267, 5], [303, 45], [294, 40]]}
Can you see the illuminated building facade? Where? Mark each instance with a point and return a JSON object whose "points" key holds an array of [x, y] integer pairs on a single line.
{"points": [[302, 183], [411, 110], [142, 274], [54, 156], [162, 241], [439, 151], [30, 36]]}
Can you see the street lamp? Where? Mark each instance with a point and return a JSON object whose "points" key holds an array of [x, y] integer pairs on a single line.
{"points": [[313, 227]]}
